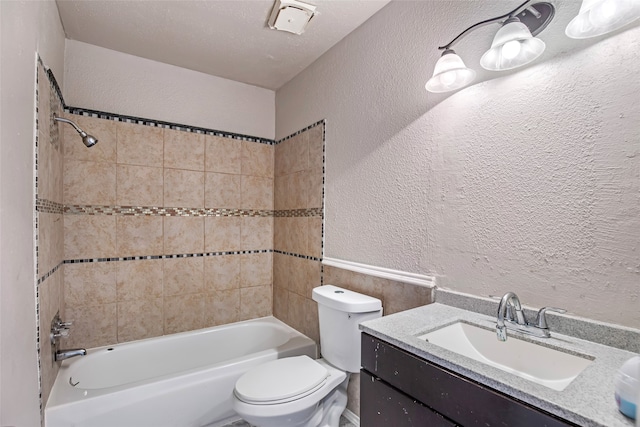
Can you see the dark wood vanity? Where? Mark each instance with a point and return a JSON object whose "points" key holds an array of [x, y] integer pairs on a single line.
{"points": [[398, 389]]}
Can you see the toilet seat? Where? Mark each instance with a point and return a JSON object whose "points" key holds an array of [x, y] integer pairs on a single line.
{"points": [[281, 381]]}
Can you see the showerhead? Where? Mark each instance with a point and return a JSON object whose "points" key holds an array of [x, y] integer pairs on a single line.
{"points": [[88, 140]]}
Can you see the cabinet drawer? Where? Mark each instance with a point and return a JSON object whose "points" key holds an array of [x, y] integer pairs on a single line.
{"points": [[383, 406], [457, 398]]}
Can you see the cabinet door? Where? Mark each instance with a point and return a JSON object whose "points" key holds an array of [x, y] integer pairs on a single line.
{"points": [[458, 398], [383, 406]]}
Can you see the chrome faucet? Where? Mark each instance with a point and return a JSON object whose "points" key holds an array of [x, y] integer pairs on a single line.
{"points": [[60, 329], [509, 304], [68, 354]]}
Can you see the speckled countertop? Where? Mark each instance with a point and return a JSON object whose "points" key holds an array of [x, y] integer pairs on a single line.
{"points": [[587, 401]]}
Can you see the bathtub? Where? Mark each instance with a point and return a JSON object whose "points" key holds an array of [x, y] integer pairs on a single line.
{"points": [[179, 380]]}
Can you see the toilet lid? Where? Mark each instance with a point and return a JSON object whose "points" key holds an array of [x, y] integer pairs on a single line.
{"points": [[281, 380]]}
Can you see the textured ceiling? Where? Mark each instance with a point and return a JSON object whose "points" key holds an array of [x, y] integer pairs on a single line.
{"points": [[228, 39]]}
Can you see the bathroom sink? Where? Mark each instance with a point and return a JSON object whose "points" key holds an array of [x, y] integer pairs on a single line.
{"points": [[544, 365]]}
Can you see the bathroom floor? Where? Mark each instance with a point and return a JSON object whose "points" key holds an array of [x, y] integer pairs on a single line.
{"points": [[242, 423]]}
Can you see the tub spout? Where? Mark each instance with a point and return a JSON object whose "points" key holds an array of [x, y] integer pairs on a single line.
{"points": [[67, 354]]}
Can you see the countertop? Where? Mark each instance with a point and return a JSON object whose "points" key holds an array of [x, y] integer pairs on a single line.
{"points": [[587, 401]]}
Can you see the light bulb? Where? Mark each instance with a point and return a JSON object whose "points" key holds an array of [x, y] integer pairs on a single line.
{"points": [[511, 49]]}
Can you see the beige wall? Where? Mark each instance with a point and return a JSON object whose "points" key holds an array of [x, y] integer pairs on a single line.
{"points": [[527, 182], [27, 28], [207, 196], [110, 81]]}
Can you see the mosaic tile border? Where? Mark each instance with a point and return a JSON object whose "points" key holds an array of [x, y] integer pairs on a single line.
{"points": [[50, 273], [311, 126], [52, 207], [172, 256], [308, 257], [47, 206]]}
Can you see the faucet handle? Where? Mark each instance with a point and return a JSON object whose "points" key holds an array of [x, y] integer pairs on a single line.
{"points": [[541, 318]]}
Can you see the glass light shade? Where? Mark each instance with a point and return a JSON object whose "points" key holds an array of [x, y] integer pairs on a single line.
{"points": [[598, 17], [512, 47], [449, 74]]}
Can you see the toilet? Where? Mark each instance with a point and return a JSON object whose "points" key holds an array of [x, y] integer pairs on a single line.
{"points": [[303, 392]]}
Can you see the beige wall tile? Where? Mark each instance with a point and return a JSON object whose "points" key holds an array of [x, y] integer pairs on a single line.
{"points": [[222, 191], [314, 189], [89, 183], [93, 326], [139, 185], [139, 144], [316, 147], [89, 236], [140, 319], [222, 234], [223, 154], [255, 302], [311, 324], [46, 248], [281, 193], [90, 283], [257, 233], [183, 276], [102, 129], [281, 270], [222, 307], [298, 183], [183, 313], [281, 227], [314, 240], [353, 394], [183, 150], [298, 235], [257, 192], [281, 303], [296, 154], [183, 235], [296, 314], [256, 269], [139, 235], [183, 188], [140, 279], [298, 276], [257, 159], [221, 272], [313, 275], [397, 296]]}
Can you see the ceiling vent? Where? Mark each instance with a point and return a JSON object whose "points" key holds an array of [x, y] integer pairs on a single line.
{"points": [[291, 15]]}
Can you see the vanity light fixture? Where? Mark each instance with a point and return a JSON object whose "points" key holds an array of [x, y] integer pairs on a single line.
{"points": [[598, 17], [514, 45]]}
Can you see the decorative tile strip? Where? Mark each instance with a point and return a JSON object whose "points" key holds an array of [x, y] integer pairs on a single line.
{"points": [[171, 256], [311, 258], [162, 211], [298, 213], [47, 206], [50, 273], [318, 123], [165, 125]]}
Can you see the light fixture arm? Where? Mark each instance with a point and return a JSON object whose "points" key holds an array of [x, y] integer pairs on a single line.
{"points": [[483, 23]]}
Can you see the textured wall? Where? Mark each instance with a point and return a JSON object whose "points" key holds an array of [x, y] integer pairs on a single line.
{"points": [[105, 80], [27, 28], [528, 182]]}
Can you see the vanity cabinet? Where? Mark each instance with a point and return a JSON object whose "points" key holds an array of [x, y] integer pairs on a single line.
{"points": [[399, 389]]}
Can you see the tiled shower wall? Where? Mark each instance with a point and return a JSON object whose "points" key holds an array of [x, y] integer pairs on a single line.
{"points": [[297, 268], [165, 230], [49, 225]]}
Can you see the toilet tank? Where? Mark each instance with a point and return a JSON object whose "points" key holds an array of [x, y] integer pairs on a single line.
{"points": [[340, 311]]}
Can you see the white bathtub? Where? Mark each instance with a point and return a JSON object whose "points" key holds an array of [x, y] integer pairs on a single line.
{"points": [[178, 380]]}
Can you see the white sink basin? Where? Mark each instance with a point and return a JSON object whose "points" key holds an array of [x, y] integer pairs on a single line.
{"points": [[552, 368]]}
